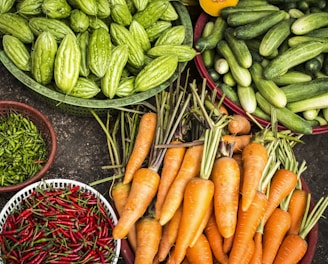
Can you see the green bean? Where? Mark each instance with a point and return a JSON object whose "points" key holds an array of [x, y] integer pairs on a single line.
{"points": [[23, 151]]}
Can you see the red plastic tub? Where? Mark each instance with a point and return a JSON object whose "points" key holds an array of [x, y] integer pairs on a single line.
{"points": [[200, 23]]}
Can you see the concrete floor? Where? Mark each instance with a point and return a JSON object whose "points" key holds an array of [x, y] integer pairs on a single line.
{"points": [[82, 152]]}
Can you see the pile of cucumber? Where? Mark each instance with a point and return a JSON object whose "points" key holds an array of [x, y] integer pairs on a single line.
{"points": [[271, 54]]}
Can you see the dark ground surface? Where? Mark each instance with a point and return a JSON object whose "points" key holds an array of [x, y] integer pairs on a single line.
{"points": [[82, 151]]}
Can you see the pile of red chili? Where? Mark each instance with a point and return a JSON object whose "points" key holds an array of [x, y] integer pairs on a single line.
{"points": [[58, 225]]}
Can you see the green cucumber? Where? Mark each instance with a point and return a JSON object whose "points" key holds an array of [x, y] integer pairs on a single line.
{"points": [[210, 41], [309, 22], [287, 118], [239, 48], [225, 12], [260, 26], [244, 17], [291, 77], [267, 88], [299, 91], [315, 102], [274, 37], [247, 98], [240, 74], [293, 57]]}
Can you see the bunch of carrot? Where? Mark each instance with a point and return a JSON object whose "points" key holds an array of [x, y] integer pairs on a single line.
{"points": [[211, 190]]}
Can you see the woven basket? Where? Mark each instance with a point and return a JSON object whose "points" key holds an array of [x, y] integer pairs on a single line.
{"points": [[23, 194], [47, 133], [80, 106]]}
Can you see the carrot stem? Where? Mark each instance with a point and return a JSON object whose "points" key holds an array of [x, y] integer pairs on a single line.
{"points": [[312, 218]]}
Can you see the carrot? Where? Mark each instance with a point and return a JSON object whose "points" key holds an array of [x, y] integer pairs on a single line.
{"points": [[197, 198], [240, 141], [142, 145], [283, 183], [226, 178], [171, 164], [292, 250], [200, 252], [275, 230], [119, 194], [143, 190], [227, 244], [190, 168], [254, 158], [294, 247], [170, 231], [203, 224], [149, 232], [257, 254], [247, 223], [216, 240], [249, 253], [296, 209], [239, 124]]}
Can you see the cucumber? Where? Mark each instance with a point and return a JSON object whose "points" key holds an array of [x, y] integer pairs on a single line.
{"points": [[318, 33], [267, 88], [314, 65], [310, 114], [274, 37], [295, 40], [221, 66], [240, 74], [260, 26], [299, 91], [309, 22], [229, 92], [239, 48], [286, 117], [210, 41], [228, 79], [291, 77], [315, 102], [247, 98], [244, 17], [225, 12], [292, 57]]}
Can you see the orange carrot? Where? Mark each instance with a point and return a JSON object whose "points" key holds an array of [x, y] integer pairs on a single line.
{"points": [[249, 253], [190, 168], [296, 209], [257, 254], [292, 250], [142, 145], [203, 224], [200, 252], [170, 231], [255, 158], [239, 125], [119, 194], [294, 247], [216, 240], [240, 142], [247, 223], [223, 110], [226, 178], [171, 164], [227, 244], [197, 198], [143, 190], [282, 183], [275, 230], [149, 232]]}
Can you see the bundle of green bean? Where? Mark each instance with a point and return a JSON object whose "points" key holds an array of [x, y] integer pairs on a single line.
{"points": [[22, 149]]}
